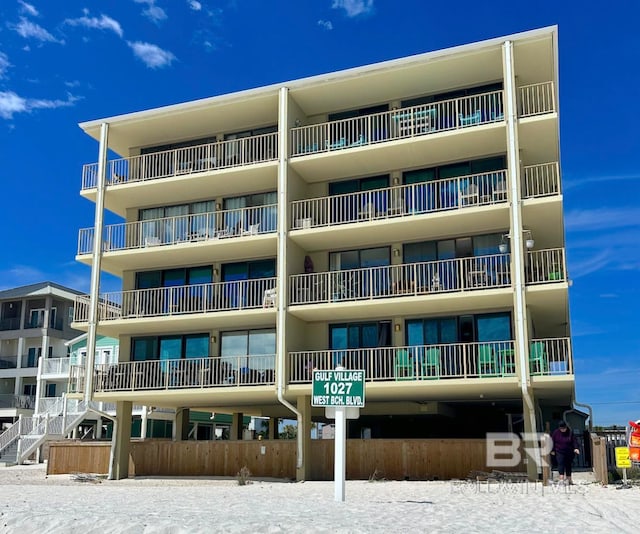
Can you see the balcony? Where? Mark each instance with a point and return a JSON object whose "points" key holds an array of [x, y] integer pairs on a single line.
{"points": [[8, 362], [546, 266], [188, 160], [136, 245], [400, 289], [24, 402], [398, 124], [54, 367], [163, 375], [12, 323], [254, 157], [495, 359], [192, 306]]}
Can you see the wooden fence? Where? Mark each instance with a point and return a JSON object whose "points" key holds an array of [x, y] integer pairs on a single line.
{"points": [[393, 459]]}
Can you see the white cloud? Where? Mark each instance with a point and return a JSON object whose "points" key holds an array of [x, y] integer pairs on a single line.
{"points": [[28, 8], [353, 8], [102, 23], [28, 29], [601, 219], [572, 183], [591, 264], [11, 103], [195, 5], [153, 12], [325, 24], [74, 83], [153, 56], [4, 64]]}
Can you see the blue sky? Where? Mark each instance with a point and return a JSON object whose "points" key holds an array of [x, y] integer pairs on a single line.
{"points": [[62, 63]]}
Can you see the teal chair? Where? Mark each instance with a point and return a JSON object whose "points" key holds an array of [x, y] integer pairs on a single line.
{"points": [[538, 361], [487, 362], [431, 363], [340, 143], [404, 369]]}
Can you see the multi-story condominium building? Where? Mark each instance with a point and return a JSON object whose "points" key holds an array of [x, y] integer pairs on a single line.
{"points": [[404, 218], [34, 322]]}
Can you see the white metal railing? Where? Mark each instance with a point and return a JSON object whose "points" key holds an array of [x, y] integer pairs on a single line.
{"points": [[51, 405], [546, 266], [8, 362], [541, 180], [185, 373], [412, 199], [398, 124], [536, 99], [198, 227], [10, 323], [54, 366], [187, 160], [551, 356], [423, 362], [10, 435], [197, 298], [25, 402], [421, 278]]}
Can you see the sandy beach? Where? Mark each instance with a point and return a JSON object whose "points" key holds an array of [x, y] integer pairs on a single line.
{"points": [[30, 502]]}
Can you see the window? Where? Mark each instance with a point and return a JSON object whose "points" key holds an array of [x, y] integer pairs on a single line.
{"points": [[174, 277], [347, 207], [191, 218], [249, 349], [357, 336], [50, 390], [170, 347], [240, 293], [242, 212], [36, 318], [360, 283], [29, 389]]}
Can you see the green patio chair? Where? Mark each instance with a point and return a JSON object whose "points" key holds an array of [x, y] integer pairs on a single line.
{"points": [[403, 365], [538, 361], [487, 362], [431, 363]]}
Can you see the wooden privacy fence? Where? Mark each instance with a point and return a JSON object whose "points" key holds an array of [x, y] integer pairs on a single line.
{"points": [[393, 459]]}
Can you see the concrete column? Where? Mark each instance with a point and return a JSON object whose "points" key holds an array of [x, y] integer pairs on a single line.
{"points": [[236, 427], [20, 348], [48, 303], [181, 425], [121, 442], [99, 428], [23, 312], [144, 422], [303, 404]]}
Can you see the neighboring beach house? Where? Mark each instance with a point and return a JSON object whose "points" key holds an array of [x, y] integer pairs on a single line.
{"points": [[404, 218]]}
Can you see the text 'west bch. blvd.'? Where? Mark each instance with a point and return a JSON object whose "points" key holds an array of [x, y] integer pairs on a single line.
{"points": [[336, 388]]}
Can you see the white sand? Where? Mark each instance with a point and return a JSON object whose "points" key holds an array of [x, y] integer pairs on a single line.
{"points": [[31, 503]]}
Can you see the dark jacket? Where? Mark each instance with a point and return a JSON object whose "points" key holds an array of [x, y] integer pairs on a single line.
{"points": [[564, 442]]}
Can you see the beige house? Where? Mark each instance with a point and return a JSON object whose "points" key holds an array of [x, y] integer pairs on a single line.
{"points": [[404, 218]]}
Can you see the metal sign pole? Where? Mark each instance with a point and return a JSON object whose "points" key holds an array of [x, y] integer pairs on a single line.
{"points": [[340, 452]]}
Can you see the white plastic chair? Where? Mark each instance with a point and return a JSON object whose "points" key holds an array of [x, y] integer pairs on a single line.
{"points": [[269, 298]]}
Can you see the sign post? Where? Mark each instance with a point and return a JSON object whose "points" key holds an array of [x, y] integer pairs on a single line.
{"points": [[341, 393], [623, 461]]}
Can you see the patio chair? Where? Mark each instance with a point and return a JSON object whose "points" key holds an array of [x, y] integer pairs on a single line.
{"points": [[252, 230], [361, 141], [340, 143], [431, 363], [468, 120], [487, 362], [269, 298], [538, 363], [368, 211], [403, 365]]}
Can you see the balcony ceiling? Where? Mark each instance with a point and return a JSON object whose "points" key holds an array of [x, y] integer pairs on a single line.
{"points": [[412, 152], [429, 226], [187, 253], [189, 187]]}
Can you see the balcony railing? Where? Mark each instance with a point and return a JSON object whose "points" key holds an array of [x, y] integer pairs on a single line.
{"points": [[413, 199], [424, 362], [51, 405], [398, 124], [199, 227], [226, 371], [26, 402], [536, 99], [551, 357], [546, 266], [12, 323], [54, 366], [187, 160], [541, 180], [179, 300], [8, 362], [462, 274]]}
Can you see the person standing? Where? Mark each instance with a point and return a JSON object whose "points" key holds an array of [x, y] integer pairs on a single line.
{"points": [[565, 447]]}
